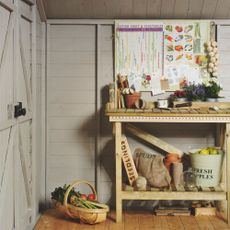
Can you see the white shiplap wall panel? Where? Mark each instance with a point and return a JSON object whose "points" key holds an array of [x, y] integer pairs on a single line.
{"points": [[71, 149], [72, 70], [224, 65], [225, 57], [40, 161], [107, 162], [69, 31], [69, 123], [72, 44], [83, 162], [72, 83], [71, 57], [71, 136], [71, 104], [72, 97], [58, 176], [224, 45], [70, 110]]}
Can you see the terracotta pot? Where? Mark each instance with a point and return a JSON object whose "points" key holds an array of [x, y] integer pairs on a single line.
{"points": [[131, 99], [171, 158]]}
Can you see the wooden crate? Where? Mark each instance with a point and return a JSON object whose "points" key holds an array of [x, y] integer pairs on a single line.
{"points": [[205, 211]]}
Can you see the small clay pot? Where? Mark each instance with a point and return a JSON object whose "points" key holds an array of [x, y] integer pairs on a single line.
{"points": [[130, 99]]}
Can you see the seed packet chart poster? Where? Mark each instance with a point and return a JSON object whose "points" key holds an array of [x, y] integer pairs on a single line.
{"points": [[169, 51], [139, 54]]}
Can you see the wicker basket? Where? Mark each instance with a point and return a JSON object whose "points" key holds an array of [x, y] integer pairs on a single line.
{"points": [[89, 216]]}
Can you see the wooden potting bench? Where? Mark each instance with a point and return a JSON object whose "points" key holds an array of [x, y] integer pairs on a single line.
{"points": [[119, 117]]}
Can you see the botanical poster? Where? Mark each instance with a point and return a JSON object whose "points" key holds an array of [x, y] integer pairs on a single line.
{"points": [[151, 51]]}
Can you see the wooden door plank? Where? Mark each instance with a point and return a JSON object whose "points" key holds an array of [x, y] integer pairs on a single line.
{"points": [[6, 44], [9, 146], [24, 168], [25, 71], [6, 193], [4, 153]]}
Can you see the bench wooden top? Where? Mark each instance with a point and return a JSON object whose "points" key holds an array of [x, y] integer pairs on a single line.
{"points": [[170, 115]]}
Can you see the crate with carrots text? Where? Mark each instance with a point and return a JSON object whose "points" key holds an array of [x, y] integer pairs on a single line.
{"points": [[77, 205]]}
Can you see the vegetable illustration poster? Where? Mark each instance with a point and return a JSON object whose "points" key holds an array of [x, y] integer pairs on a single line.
{"points": [[148, 51], [183, 44], [139, 54]]}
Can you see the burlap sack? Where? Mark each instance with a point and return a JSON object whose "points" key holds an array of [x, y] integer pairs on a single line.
{"points": [[152, 168]]}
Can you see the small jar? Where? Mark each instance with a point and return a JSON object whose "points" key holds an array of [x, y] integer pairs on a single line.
{"points": [[162, 103], [189, 179]]}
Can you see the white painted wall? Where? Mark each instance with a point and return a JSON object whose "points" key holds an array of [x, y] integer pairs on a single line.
{"points": [[64, 108], [70, 104], [223, 37], [40, 60]]}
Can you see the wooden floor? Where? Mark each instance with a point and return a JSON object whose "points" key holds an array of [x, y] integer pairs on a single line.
{"points": [[53, 220]]}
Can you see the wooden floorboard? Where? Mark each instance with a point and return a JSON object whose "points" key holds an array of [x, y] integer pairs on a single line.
{"points": [[53, 220]]}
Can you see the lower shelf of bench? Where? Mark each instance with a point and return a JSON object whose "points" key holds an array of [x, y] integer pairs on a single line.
{"points": [[171, 195]]}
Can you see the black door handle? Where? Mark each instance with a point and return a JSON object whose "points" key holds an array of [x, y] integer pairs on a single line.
{"points": [[19, 111]]}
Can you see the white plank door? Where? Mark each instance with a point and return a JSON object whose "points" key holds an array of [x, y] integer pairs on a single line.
{"points": [[7, 132], [23, 93], [16, 157], [71, 123]]}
